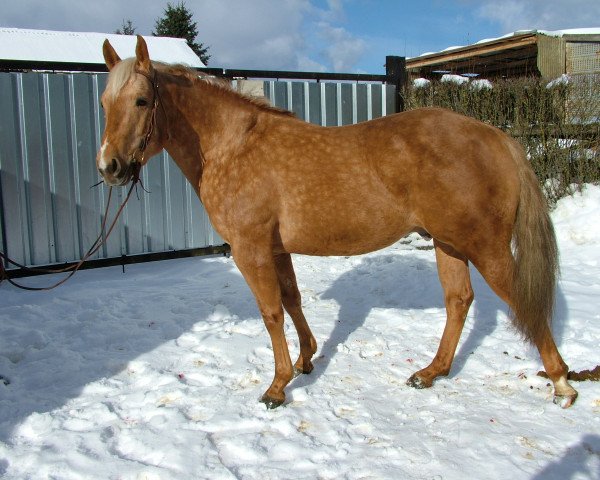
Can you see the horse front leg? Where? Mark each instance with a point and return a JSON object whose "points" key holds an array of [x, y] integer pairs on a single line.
{"points": [[258, 268]]}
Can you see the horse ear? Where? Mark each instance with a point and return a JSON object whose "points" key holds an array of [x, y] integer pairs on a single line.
{"points": [[111, 57], [142, 57]]}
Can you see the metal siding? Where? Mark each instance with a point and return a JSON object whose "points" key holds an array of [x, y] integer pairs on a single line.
{"points": [[331, 104], [297, 101], [280, 97], [346, 101], [61, 175], [89, 200], [314, 103], [376, 101], [37, 196], [362, 108], [50, 131], [390, 103], [10, 172], [153, 178]]}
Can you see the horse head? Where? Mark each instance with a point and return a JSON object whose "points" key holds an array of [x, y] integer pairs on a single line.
{"points": [[130, 103]]}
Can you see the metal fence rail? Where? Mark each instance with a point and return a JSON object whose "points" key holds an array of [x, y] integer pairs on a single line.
{"points": [[50, 130], [332, 104]]}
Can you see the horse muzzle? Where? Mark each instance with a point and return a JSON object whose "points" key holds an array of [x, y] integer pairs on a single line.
{"points": [[116, 173]]}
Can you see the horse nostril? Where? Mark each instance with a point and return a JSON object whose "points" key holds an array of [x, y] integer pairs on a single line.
{"points": [[112, 168]]}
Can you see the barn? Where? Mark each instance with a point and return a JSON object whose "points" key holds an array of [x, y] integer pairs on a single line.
{"points": [[539, 53], [38, 49]]}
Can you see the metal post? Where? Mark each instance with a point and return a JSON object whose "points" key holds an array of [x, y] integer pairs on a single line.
{"points": [[395, 70]]}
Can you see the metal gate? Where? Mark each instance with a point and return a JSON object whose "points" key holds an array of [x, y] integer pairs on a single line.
{"points": [[50, 130]]}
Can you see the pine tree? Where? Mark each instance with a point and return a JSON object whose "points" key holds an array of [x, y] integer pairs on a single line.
{"points": [[126, 29], [177, 22]]}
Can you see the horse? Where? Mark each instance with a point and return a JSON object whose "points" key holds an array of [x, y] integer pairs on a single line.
{"points": [[274, 185]]}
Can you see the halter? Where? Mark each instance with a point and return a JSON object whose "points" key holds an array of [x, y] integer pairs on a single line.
{"points": [[152, 124]]}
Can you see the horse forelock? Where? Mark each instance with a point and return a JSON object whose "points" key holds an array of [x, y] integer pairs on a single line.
{"points": [[119, 76]]}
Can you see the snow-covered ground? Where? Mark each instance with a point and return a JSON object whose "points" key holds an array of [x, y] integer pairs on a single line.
{"points": [[156, 374]]}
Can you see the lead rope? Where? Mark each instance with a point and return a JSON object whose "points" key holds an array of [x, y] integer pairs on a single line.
{"points": [[99, 241], [73, 268]]}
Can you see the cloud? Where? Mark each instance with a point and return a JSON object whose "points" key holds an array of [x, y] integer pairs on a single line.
{"points": [[289, 35], [541, 14], [259, 34], [343, 50]]}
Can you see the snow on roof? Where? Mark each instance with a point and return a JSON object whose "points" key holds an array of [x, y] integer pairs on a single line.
{"points": [[86, 47], [555, 33]]}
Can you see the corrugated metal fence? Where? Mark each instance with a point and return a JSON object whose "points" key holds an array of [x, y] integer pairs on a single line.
{"points": [[50, 130]]}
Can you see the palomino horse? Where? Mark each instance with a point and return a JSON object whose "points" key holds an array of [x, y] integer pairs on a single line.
{"points": [[274, 185]]}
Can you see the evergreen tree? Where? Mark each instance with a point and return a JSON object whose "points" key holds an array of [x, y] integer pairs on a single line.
{"points": [[177, 22], [126, 29]]}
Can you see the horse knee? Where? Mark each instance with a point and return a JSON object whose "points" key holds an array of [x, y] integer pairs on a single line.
{"points": [[460, 301]]}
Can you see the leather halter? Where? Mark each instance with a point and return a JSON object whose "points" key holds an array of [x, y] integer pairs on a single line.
{"points": [[153, 81]]}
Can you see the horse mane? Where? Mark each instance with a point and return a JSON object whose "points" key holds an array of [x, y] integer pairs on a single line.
{"points": [[124, 69]]}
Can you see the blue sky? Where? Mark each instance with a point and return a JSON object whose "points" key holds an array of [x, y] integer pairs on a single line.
{"points": [[410, 28], [325, 35]]}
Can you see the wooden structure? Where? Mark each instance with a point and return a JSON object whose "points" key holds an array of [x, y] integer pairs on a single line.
{"points": [[524, 53]]}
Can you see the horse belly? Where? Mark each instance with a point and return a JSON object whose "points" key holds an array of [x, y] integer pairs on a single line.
{"points": [[349, 230]]}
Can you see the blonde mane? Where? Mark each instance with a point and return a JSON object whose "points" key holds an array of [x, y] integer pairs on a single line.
{"points": [[122, 72]]}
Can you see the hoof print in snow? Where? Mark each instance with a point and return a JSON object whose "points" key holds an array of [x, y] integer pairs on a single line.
{"points": [[4, 380]]}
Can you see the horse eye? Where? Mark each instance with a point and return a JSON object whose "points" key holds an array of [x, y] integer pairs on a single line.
{"points": [[141, 102]]}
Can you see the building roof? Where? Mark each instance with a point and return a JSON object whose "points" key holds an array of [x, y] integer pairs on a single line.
{"points": [[86, 47], [512, 54]]}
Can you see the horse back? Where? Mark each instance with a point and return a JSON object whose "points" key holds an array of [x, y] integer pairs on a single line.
{"points": [[354, 189]]}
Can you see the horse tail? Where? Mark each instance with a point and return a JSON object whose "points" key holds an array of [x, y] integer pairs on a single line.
{"points": [[535, 253]]}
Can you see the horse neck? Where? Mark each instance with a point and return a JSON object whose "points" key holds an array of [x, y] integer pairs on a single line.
{"points": [[206, 123]]}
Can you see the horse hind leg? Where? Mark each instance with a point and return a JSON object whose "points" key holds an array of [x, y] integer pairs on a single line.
{"points": [[453, 272], [498, 273], [290, 296]]}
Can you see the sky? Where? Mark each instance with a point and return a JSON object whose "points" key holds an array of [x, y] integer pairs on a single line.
{"points": [[314, 35]]}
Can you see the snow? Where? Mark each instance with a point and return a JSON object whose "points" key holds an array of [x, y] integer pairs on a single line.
{"points": [[86, 47], [155, 373], [481, 84], [564, 79], [553, 33], [421, 83], [451, 78]]}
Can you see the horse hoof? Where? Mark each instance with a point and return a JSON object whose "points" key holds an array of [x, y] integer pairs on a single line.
{"points": [[564, 401], [417, 382], [300, 371], [270, 402]]}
